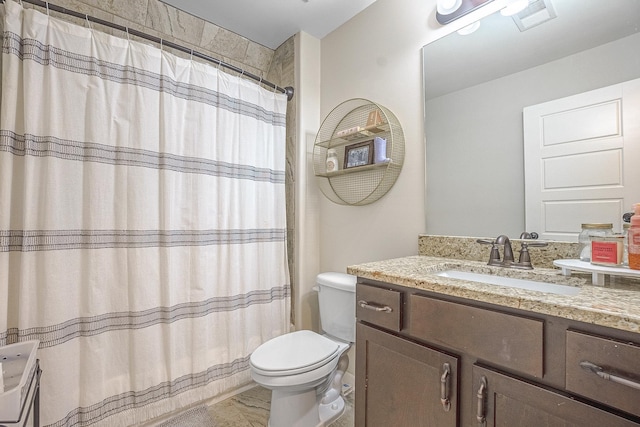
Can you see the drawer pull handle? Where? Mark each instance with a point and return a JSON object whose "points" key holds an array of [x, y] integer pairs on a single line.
{"points": [[482, 394], [588, 366], [444, 387], [365, 304]]}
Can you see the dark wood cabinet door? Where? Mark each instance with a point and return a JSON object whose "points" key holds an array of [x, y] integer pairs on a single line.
{"points": [[505, 401], [400, 383]]}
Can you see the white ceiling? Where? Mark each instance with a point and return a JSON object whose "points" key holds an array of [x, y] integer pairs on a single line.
{"points": [[271, 22]]}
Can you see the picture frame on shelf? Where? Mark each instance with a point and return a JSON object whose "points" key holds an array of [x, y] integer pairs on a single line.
{"points": [[358, 154]]}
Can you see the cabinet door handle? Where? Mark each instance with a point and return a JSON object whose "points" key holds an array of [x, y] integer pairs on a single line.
{"points": [[482, 395], [588, 366], [445, 380], [374, 307]]}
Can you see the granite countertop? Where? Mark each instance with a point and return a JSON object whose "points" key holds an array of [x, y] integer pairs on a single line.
{"points": [[613, 305]]}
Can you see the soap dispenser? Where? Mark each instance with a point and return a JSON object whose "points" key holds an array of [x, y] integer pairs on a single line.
{"points": [[634, 239]]}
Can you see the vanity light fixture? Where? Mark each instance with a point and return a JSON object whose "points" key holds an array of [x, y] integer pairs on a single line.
{"points": [[447, 7], [448, 11], [514, 7]]}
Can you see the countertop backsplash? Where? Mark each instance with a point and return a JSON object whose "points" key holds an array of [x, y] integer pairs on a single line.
{"points": [[466, 248]]}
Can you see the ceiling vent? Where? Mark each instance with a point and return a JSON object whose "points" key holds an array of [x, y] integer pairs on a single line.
{"points": [[538, 12]]}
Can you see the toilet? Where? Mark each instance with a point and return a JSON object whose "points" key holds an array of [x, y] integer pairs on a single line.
{"points": [[304, 369]]}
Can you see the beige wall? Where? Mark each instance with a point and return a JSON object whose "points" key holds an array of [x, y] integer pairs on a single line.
{"points": [[370, 58], [377, 56]]}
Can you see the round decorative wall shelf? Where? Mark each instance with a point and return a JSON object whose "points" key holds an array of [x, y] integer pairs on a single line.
{"points": [[368, 143]]}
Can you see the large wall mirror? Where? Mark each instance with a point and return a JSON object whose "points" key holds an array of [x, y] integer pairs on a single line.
{"points": [[477, 85]]}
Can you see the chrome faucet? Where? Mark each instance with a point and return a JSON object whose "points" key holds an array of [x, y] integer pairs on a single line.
{"points": [[524, 260], [494, 256]]}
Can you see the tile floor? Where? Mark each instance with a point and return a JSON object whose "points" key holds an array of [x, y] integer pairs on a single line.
{"points": [[251, 409]]}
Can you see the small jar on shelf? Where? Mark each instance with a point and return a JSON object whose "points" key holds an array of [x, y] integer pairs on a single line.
{"points": [[588, 231], [332, 160]]}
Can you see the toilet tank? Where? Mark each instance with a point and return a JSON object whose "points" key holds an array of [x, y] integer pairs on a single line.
{"points": [[337, 302]]}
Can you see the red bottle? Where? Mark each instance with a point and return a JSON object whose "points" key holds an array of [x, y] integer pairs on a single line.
{"points": [[634, 239]]}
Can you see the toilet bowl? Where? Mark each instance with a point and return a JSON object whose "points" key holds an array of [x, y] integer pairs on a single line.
{"points": [[304, 369]]}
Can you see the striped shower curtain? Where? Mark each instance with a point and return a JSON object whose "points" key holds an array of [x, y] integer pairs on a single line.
{"points": [[142, 221]]}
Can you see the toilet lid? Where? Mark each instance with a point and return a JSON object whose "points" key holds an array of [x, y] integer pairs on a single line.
{"points": [[294, 353]]}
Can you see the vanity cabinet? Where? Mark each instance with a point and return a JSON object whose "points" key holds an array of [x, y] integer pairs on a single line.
{"points": [[495, 366]]}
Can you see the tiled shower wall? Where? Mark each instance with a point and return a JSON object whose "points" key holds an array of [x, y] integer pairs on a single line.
{"points": [[282, 72], [163, 21], [168, 23]]}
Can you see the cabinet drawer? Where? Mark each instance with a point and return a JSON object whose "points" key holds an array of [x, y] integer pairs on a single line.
{"points": [[604, 370], [510, 341], [379, 306]]}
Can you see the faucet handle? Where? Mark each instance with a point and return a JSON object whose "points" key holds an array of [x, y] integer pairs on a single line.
{"points": [[486, 241], [527, 235], [524, 261], [525, 258], [494, 255], [535, 244]]}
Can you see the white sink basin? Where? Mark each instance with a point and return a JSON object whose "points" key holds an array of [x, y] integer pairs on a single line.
{"points": [[510, 282], [17, 369]]}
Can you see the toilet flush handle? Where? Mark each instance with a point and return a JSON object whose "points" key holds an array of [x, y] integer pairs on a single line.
{"points": [[368, 306]]}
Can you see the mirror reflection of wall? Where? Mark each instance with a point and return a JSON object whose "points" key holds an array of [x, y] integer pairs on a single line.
{"points": [[476, 87]]}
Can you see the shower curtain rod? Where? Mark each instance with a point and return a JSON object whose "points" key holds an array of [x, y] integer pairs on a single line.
{"points": [[286, 90]]}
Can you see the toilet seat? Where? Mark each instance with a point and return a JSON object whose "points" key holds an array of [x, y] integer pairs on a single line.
{"points": [[294, 353]]}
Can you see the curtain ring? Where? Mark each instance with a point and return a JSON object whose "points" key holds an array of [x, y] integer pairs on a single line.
{"points": [[219, 64], [126, 29], [161, 44], [86, 17], [242, 74], [191, 54], [47, 4]]}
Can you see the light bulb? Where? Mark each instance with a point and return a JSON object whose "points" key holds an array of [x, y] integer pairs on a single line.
{"points": [[514, 7], [446, 7], [465, 31]]}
